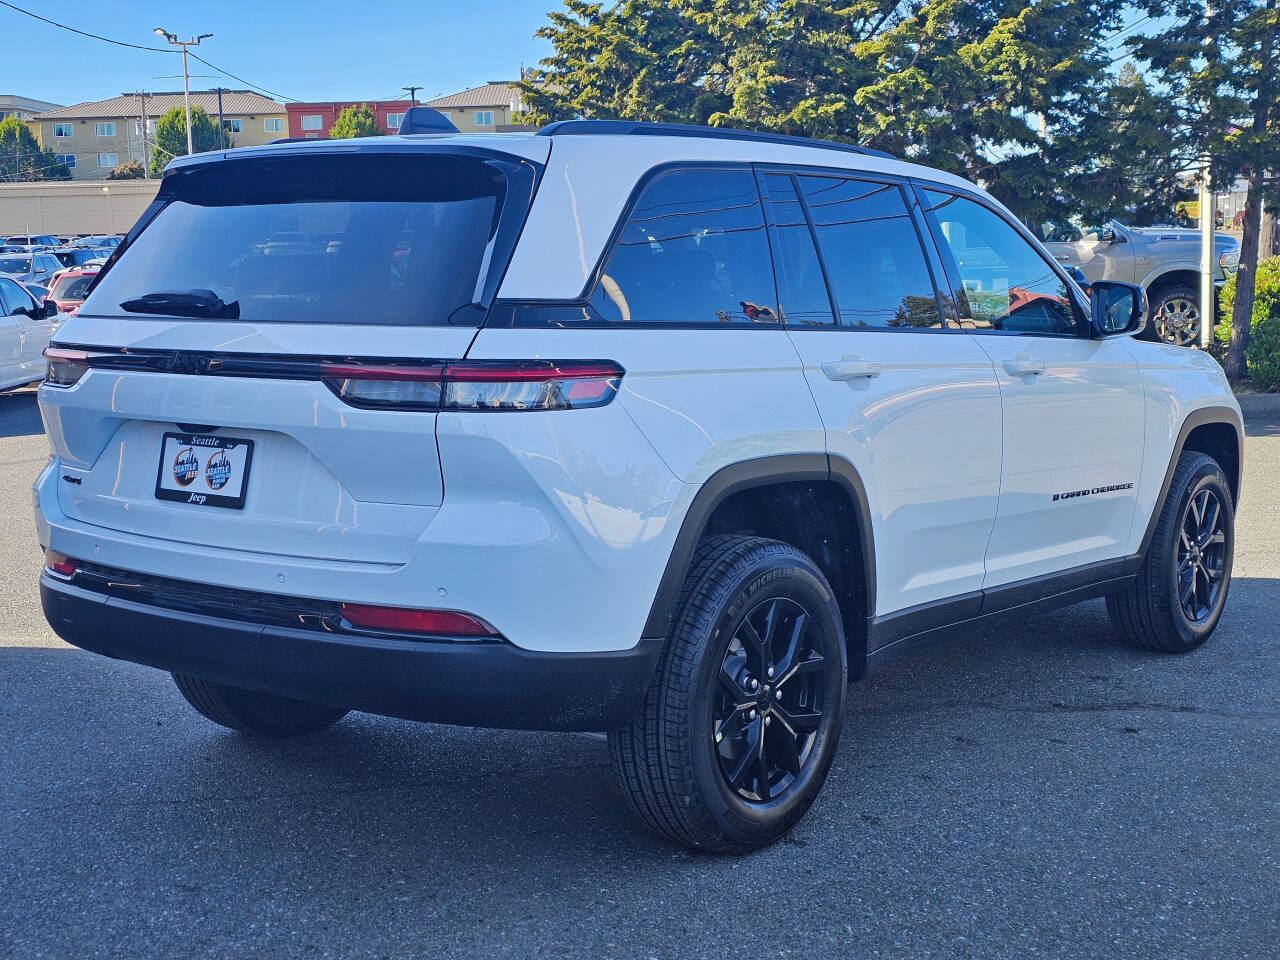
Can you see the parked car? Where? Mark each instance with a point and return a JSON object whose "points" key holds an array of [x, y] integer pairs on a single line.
{"points": [[29, 267], [1164, 261], [667, 432], [27, 244], [105, 241], [37, 290], [26, 325], [78, 256], [69, 289]]}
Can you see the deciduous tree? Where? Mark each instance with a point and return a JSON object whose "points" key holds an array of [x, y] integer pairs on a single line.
{"points": [[22, 158], [355, 121]]}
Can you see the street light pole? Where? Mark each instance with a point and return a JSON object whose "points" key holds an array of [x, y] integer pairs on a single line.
{"points": [[173, 41]]}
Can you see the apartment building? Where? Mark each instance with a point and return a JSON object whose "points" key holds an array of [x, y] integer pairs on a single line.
{"points": [[93, 138], [493, 107], [312, 121], [24, 108]]}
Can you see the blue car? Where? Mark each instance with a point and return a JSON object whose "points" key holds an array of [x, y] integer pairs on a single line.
{"points": [[30, 267]]}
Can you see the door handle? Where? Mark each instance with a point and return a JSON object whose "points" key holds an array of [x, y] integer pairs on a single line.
{"points": [[851, 368], [1024, 366]]}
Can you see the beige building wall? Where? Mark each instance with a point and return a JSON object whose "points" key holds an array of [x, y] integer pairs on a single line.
{"points": [[62, 207], [474, 119], [96, 142]]}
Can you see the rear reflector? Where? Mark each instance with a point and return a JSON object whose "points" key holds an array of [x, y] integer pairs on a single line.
{"points": [[478, 385], [445, 623], [59, 563]]}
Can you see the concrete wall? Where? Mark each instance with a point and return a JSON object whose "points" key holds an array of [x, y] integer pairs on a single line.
{"points": [[69, 207]]}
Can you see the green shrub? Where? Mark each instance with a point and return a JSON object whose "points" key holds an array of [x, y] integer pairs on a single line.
{"points": [[1263, 355]]}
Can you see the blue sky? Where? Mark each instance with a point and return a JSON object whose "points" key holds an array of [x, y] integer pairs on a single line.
{"points": [[318, 50]]}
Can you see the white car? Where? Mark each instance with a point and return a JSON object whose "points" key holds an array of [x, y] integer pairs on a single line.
{"points": [[26, 325], [668, 432]]}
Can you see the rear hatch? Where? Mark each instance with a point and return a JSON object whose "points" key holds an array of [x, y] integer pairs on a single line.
{"points": [[207, 375]]}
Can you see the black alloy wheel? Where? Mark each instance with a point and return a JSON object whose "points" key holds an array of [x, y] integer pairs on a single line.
{"points": [[1201, 556], [769, 705]]}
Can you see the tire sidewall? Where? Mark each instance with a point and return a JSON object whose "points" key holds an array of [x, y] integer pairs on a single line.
{"points": [[1206, 476], [780, 576]]}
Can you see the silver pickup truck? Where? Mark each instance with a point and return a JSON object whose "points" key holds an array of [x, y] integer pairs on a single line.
{"points": [[1165, 261]]}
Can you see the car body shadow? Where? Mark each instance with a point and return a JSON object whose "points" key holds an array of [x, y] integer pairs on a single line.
{"points": [[19, 413]]}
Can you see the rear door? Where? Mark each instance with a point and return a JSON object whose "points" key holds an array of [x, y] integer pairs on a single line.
{"points": [[905, 398], [1074, 407], [257, 307], [10, 334]]}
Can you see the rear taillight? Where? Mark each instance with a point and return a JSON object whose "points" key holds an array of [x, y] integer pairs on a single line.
{"points": [[479, 385], [59, 563], [65, 367], [444, 623]]}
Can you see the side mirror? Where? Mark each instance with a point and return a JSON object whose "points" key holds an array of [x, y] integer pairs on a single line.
{"points": [[1108, 233], [1117, 309], [50, 309]]}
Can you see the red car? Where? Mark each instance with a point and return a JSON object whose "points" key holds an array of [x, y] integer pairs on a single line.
{"points": [[69, 289]]}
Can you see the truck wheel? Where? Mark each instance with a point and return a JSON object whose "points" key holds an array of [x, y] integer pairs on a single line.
{"points": [[740, 724], [253, 712], [1176, 315], [1177, 598]]}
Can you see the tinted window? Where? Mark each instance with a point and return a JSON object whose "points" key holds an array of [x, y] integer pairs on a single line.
{"points": [[1007, 283], [17, 265], [694, 250], [361, 239], [71, 288], [873, 255], [8, 296], [802, 291]]}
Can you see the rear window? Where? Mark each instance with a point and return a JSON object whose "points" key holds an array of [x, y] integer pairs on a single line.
{"points": [[71, 288], [15, 264], [355, 239]]}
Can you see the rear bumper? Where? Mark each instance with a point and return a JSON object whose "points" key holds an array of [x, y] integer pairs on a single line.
{"points": [[484, 684]]}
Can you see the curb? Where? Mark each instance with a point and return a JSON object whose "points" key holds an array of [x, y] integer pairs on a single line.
{"points": [[1259, 404]]}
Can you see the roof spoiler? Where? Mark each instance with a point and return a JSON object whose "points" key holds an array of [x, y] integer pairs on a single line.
{"points": [[425, 120]]}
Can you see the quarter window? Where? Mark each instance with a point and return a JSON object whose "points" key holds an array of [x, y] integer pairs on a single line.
{"points": [[802, 290], [693, 251], [872, 252], [1007, 284]]}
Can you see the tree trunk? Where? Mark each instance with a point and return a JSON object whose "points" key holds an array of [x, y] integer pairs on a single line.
{"points": [[1267, 237], [1242, 309]]}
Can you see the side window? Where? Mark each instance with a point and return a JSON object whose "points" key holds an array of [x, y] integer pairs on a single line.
{"points": [[1009, 286], [802, 290], [10, 297], [873, 256], [694, 250]]}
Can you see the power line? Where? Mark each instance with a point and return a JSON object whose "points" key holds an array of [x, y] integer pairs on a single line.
{"points": [[83, 33], [228, 73], [138, 46]]}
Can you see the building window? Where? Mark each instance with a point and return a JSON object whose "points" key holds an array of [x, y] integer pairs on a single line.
{"points": [[312, 121], [235, 125], [484, 118], [106, 128], [394, 120], [108, 161], [64, 130], [68, 158], [273, 125], [137, 128]]}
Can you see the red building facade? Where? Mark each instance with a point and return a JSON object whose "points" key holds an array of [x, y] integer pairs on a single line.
{"points": [[312, 121]]}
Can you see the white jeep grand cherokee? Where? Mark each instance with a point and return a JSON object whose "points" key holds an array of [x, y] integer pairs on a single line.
{"points": [[663, 431]]}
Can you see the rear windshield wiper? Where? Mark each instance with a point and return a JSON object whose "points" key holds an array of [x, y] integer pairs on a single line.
{"points": [[185, 303]]}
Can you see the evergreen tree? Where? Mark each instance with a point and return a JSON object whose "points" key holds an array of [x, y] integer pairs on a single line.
{"points": [[23, 159], [355, 121], [171, 136]]}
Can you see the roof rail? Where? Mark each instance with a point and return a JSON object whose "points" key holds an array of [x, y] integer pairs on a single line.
{"points": [[634, 128]]}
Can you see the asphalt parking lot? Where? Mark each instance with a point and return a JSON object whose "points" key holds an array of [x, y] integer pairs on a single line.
{"points": [[1029, 789]]}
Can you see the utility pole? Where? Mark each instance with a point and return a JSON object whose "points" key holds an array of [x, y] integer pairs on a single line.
{"points": [[222, 143], [143, 133], [413, 95], [1206, 258], [173, 41]]}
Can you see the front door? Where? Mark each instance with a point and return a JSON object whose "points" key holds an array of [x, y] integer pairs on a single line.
{"points": [[1074, 407]]}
